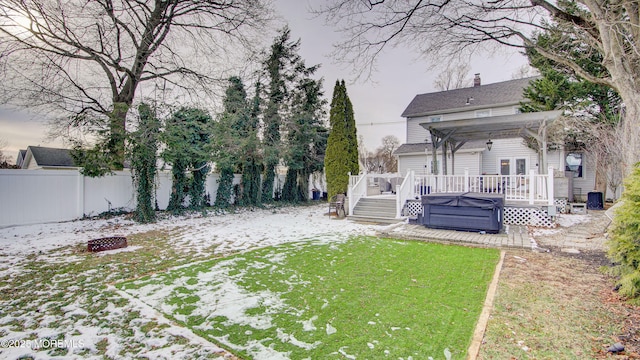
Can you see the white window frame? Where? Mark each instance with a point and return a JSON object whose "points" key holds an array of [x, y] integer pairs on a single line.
{"points": [[582, 164], [435, 118], [513, 160], [478, 113]]}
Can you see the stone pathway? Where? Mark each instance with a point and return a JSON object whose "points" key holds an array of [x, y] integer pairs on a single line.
{"points": [[589, 235], [575, 233]]}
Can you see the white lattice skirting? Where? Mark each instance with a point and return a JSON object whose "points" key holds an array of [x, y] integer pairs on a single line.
{"points": [[413, 208], [528, 216], [512, 215], [561, 205]]}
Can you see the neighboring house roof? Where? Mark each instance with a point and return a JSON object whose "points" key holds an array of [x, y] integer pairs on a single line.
{"points": [[48, 157], [20, 159], [476, 97], [420, 148]]}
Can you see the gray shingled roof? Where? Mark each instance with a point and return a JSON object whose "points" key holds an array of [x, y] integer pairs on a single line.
{"points": [[46, 156], [506, 92], [420, 148]]}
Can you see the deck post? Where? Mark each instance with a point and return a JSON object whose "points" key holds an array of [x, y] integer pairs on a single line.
{"points": [[466, 179], [551, 190], [349, 188], [533, 186], [412, 183]]}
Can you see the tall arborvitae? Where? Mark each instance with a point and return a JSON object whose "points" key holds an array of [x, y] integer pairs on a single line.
{"points": [[352, 134], [144, 148], [250, 153], [228, 132], [342, 145]]}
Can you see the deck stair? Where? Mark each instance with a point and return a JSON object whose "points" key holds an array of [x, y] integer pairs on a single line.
{"points": [[375, 209]]}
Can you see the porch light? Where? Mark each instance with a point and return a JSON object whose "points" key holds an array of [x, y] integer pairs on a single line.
{"points": [[489, 144]]}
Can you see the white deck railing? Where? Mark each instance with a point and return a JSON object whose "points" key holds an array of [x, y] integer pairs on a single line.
{"points": [[529, 189], [357, 190], [532, 189], [404, 192]]}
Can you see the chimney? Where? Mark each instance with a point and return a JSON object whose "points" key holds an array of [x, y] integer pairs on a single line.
{"points": [[476, 80]]}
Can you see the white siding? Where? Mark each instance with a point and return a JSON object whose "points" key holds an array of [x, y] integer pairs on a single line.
{"points": [[470, 114], [420, 164], [582, 186], [507, 149], [416, 134], [413, 162], [465, 160], [505, 110]]}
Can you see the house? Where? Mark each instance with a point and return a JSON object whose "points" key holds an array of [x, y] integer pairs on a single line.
{"points": [[40, 157], [20, 158], [484, 127], [476, 139]]}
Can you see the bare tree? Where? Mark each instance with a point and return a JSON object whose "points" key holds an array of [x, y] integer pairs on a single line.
{"points": [[453, 77], [439, 30], [84, 61], [607, 152], [373, 162], [3, 145], [362, 152], [389, 145]]}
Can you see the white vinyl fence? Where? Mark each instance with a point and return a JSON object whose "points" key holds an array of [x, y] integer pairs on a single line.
{"points": [[38, 196]]}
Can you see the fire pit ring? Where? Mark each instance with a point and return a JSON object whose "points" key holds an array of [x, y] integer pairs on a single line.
{"points": [[107, 243]]}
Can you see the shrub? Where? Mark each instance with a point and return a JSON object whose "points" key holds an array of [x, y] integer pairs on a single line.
{"points": [[624, 245]]}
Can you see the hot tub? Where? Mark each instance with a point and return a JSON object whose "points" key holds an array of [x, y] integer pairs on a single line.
{"points": [[466, 211]]}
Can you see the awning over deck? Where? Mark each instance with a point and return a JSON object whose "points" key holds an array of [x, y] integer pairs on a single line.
{"points": [[457, 132]]}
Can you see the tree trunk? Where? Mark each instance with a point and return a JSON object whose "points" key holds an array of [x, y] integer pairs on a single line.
{"points": [[118, 133], [631, 133], [267, 183]]}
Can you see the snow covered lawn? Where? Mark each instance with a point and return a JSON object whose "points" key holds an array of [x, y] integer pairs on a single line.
{"points": [[56, 299], [188, 279]]}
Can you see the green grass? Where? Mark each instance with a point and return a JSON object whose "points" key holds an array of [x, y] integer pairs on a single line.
{"points": [[368, 298]]}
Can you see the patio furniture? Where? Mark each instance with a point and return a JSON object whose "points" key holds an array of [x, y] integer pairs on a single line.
{"points": [[337, 203]]}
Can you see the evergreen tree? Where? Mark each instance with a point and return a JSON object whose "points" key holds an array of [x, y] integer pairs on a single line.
{"points": [[144, 150], [229, 131], [342, 145], [593, 109], [306, 137], [250, 152], [624, 245], [278, 66], [188, 150]]}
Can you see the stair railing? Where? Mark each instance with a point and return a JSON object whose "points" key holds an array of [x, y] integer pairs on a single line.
{"points": [[403, 192], [356, 191]]}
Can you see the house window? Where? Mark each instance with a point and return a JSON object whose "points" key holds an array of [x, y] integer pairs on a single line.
{"points": [[435, 118], [574, 162], [521, 166], [483, 113]]}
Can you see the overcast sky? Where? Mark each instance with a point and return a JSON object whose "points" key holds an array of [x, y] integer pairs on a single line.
{"points": [[377, 102]]}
